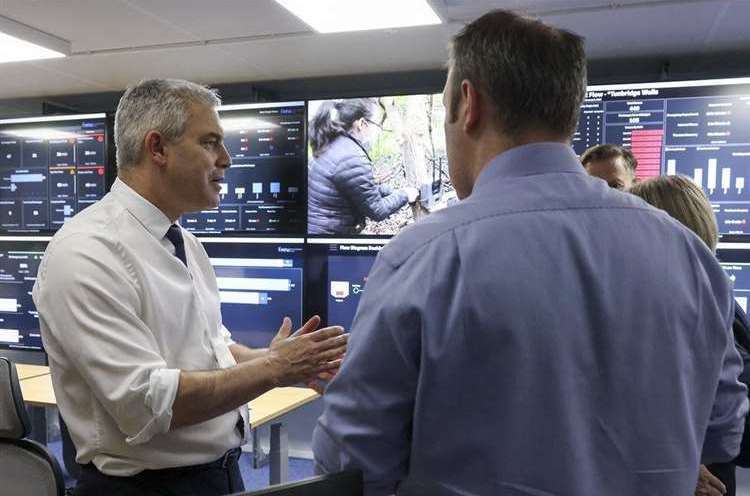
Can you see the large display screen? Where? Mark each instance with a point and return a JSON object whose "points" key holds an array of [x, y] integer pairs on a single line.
{"points": [[260, 282], [19, 321], [699, 129], [264, 189], [338, 271], [50, 169], [735, 259], [365, 154]]}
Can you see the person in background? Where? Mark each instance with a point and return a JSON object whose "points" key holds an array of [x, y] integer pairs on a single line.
{"points": [[528, 340], [149, 382], [613, 163], [686, 202], [341, 188]]}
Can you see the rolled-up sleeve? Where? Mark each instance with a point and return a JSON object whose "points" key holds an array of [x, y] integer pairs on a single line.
{"points": [[89, 299], [226, 335]]}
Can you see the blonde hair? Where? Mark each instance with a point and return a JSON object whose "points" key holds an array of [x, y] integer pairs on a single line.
{"points": [[683, 200]]}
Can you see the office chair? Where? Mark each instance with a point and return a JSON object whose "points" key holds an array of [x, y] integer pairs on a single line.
{"points": [[342, 484], [26, 467]]}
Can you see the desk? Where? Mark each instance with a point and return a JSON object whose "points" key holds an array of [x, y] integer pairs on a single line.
{"points": [[37, 392], [266, 408], [277, 402], [29, 371]]}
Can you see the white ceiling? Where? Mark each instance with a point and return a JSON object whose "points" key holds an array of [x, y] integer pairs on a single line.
{"points": [[117, 42]]}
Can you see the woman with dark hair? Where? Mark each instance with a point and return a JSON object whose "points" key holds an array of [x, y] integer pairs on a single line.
{"points": [[341, 188], [686, 202]]}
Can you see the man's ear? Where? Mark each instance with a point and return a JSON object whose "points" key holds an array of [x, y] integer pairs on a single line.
{"points": [[472, 108], [154, 148]]}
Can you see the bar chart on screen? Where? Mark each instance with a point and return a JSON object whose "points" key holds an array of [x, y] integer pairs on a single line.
{"points": [[722, 173]]}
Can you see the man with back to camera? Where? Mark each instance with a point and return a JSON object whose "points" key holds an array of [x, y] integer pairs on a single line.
{"points": [[148, 380], [518, 359], [613, 163]]}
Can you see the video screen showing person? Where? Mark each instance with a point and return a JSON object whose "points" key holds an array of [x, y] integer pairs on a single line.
{"points": [[263, 190], [340, 268], [260, 282], [698, 129], [50, 169], [735, 259], [375, 164], [19, 320]]}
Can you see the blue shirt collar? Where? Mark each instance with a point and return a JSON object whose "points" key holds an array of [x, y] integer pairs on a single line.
{"points": [[529, 160]]}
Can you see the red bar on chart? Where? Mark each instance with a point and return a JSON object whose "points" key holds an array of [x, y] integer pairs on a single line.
{"points": [[646, 145]]}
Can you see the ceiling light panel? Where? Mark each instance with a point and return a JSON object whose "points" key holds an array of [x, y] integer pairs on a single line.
{"points": [[336, 16], [21, 42]]}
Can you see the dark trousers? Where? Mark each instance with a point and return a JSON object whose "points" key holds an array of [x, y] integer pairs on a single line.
{"points": [[725, 473], [211, 479]]}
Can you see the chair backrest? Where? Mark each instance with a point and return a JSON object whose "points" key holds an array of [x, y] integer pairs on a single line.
{"points": [[26, 467], [14, 421], [341, 484]]}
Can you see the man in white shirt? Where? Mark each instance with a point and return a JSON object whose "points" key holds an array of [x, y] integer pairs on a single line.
{"points": [[148, 380]]}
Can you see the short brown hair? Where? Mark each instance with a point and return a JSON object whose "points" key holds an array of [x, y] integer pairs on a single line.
{"points": [[534, 74], [683, 200], [607, 152]]}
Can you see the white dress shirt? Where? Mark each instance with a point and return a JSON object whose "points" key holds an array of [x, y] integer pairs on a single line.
{"points": [[120, 317]]}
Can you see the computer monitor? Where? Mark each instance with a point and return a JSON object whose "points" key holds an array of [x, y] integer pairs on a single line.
{"points": [[735, 259], [50, 169], [260, 282], [699, 129], [404, 139], [337, 271], [19, 322], [264, 189]]}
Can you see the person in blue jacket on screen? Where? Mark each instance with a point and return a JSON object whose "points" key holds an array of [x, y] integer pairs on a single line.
{"points": [[342, 191]]}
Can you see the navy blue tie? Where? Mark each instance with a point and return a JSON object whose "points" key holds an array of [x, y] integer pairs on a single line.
{"points": [[175, 236]]}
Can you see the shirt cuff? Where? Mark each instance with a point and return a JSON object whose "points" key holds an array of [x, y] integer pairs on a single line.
{"points": [[227, 336], [162, 391]]}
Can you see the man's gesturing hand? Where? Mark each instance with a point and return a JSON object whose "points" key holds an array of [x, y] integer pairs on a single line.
{"points": [[302, 355]]}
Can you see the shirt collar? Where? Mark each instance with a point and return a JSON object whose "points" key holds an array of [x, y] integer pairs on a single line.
{"points": [[529, 160], [143, 210]]}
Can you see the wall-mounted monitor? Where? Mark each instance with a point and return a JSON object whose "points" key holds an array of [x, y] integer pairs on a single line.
{"points": [[735, 259], [264, 189], [19, 322], [698, 129], [337, 271], [50, 169], [260, 282], [364, 156]]}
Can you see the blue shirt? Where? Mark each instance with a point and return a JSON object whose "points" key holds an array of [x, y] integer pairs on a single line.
{"points": [[548, 335]]}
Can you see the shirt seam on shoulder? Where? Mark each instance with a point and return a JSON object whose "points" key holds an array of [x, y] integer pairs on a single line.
{"points": [[452, 228]]}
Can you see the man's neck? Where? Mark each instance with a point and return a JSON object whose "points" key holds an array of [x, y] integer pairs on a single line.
{"points": [[494, 144], [137, 179]]}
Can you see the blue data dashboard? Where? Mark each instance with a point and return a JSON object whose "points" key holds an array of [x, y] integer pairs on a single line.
{"points": [[264, 190], [50, 169], [19, 321], [698, 129], [735, 259], [343, 266], [260, 282]]}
